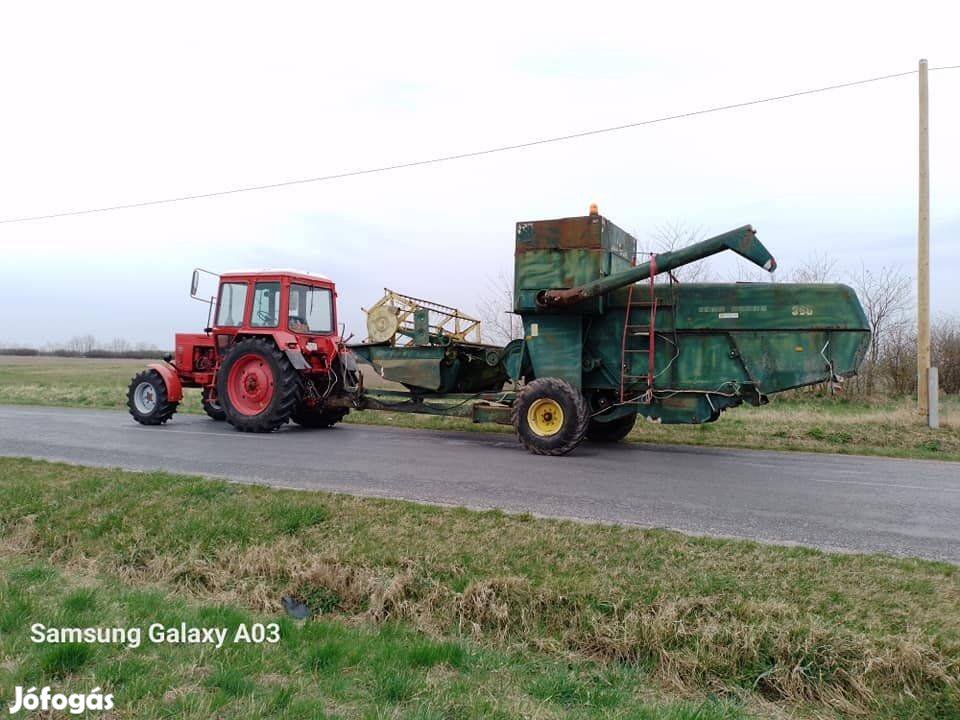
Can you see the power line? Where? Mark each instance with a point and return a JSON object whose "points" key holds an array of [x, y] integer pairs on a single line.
{"points": [[470, 154]]}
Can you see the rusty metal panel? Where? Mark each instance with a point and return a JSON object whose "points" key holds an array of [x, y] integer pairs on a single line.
{"points": [[589, 232], [555, 345], [779, 361], [484, 412], [411, 365], [562, 234], [621, 243], [458, 367], [539, 269]]}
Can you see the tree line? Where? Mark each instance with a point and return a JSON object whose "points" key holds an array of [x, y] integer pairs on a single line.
{"points": [[87, 346]]}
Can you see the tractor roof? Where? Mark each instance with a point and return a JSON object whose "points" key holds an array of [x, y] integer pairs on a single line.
{"points": [[271, 272]]}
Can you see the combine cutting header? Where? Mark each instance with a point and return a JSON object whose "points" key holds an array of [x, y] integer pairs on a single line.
{"points": [[603, 342]]}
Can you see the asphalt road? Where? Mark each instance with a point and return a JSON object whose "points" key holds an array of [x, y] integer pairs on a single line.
{"points": [[903, 507]]}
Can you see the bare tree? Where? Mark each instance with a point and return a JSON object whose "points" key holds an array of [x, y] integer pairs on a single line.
{"points": [[897, 361], [677, 234], [818, 268], [750, 273], [500, 324], [81, 344], [946, 352], [119, 345], [885, 296]]}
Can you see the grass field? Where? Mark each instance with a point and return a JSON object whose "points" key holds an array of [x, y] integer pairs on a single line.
{"points": [[881, 427], [427, 612]]}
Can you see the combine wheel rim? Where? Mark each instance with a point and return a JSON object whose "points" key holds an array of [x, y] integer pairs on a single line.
{"points": [[250, 384], [545, 417]]}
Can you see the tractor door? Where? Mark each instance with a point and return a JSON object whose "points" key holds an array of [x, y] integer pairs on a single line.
{"points": [[231, 311]]}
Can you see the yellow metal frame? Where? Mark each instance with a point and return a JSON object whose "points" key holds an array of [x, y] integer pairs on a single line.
{"points": [[444, 320]]}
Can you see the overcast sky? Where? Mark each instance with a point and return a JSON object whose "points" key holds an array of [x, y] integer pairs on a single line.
{"points": [[107, 103]]}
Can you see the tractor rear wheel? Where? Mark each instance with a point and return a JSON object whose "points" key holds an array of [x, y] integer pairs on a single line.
{"points": [[318, 418], [257, 386], [550, 416], [147, 399], [212, 407], [612, 430]]}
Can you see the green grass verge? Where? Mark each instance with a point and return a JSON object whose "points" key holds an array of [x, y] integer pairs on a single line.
{"points": [[318, 669], [510, 615], [880, 427]]}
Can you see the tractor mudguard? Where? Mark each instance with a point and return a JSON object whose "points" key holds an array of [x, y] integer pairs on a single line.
{"points": [[297, 359], [170, 379]]}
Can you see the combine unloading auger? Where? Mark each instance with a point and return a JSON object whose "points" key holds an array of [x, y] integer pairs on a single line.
{"points": [[742, 241]]}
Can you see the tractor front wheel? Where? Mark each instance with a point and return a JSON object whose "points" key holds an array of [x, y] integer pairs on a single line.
{"points": [[147, 399], [212, 407], [257, 386], [612, 430], [550, 416]]}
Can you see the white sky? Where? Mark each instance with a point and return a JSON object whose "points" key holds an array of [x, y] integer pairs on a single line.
{"points": [[106, 103]]}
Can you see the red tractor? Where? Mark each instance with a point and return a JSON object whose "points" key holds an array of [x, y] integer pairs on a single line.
{"points": [[271, 353]]}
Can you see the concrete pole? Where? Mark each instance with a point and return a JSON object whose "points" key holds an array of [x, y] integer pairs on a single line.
{"points": [[933, 388], [923, 254]]}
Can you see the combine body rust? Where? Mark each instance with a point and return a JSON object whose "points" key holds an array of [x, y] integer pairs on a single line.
{"points": [[605, 339]]}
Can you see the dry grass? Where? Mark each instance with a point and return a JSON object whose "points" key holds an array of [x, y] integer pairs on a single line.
{"points": [[801, 630]]}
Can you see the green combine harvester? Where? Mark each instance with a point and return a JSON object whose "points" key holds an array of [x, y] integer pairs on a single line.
{"points": [[604, 341]]}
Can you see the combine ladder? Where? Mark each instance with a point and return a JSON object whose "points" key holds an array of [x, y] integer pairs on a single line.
{"points": [[639, 340]]}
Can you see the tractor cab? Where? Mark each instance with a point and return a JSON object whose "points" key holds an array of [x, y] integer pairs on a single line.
{"points": [[275, 300], [270, 353], [295, 310]]}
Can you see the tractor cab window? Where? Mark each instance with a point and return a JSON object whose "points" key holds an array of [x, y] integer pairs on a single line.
{"points": [[311, 309], [233, 299], [266, 305]]}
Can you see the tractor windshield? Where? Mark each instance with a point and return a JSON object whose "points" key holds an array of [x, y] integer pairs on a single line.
{"points": [[311, 309], [266, 305]]}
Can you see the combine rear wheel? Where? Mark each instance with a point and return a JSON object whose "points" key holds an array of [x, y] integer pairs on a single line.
{"points": [[313, 418], [550, 416], [147, 399], [257, 386], [612, 430]]}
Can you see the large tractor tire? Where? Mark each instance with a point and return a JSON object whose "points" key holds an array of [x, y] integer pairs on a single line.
{"points": [[147, 399], [212, 407], [314, 418], [550, 416], [612, 430], [257, 386]]}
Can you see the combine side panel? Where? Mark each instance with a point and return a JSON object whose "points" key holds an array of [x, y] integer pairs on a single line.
{"points": [[555, 345]]}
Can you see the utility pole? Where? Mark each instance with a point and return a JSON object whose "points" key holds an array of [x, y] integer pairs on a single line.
{"points": [[923, 254]]}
